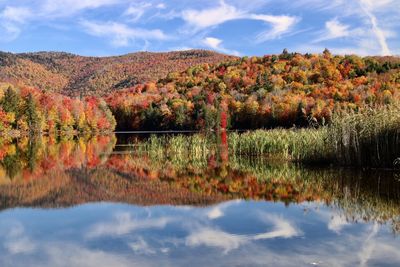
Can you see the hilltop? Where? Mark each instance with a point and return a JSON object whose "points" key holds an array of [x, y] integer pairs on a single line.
{"points": [[76, 75], [260, 92]]}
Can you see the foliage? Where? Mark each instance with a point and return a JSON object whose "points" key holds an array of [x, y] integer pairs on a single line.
{"points": [[29, 110], [75, 75], [259, 92]]}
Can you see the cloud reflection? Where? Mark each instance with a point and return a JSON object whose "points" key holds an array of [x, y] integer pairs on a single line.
{"points": [[124, 224], [17, 242], [193, 239], [226, 241]]}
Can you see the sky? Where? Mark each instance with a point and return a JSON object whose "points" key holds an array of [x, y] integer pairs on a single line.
{"points": [[238, 27]]}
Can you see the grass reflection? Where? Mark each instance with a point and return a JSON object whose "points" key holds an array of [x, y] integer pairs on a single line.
{"points": [[181, 170]]}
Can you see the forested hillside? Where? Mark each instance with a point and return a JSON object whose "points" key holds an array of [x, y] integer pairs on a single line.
{"points": [[259, 92], [28, 110], [148, 91], [75, 75]]}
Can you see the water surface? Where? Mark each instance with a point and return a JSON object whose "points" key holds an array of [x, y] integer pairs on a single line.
{"points": [[99, 202]]}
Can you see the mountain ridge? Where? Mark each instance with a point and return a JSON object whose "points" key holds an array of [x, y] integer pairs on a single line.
{"points": [[76, 75]]}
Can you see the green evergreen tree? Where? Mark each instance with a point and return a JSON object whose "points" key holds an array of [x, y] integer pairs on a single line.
{"points": [[31, 112], [11, 103]]}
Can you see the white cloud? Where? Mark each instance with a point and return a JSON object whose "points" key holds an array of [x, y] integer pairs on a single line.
{"points": [[368, 246], [215, 213], [124, 224], [379, 5], [9, 31], [333, 30], [367, 6], [337, 222], [11, 20], [135, 12], [202, 19], [16, 14], [370, 15], [280, 26], [63, 255], [316, 4], [216, 44], [161, 6], [282, 228], [17, 242], [140, 246], [121, 34], [54, 8], [378, 17], [206, 236], [215, 238], [14, 18], [22, 245]]}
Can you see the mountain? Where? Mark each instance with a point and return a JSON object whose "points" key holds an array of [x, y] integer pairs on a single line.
{"points": [[76, 75]]}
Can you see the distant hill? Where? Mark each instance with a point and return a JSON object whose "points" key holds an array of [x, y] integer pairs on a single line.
{"points": [[76, 75]]}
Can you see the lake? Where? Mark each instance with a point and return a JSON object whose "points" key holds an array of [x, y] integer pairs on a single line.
{"points": [[105, 201]]}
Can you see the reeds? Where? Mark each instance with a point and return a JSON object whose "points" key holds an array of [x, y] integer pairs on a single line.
{"points": [[370, 138], [302, 145], [176, 147]]}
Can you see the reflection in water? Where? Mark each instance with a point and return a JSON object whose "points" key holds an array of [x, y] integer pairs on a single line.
{"points": [[246, 234], [321, 217], [51, 173]]}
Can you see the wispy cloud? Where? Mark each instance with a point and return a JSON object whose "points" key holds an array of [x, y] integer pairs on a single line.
{"points": [[121, 34], [216, 44], [206, 236], [68, 7], [136, 11], [14, 18], [365, 14], [17, 242], [367, 6], [215, 238], [11, 21], [140, 246], [333, 29], [218, 211], [16, 14], [123, 224], [202, 19], [359, 26], [281, 228], [280, 25], [337, 222]]}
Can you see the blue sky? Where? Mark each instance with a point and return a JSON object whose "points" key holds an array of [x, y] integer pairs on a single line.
{"points": [[240, 27]]}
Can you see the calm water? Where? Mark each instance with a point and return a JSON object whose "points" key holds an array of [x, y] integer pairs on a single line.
{"points": [[99, 202]]}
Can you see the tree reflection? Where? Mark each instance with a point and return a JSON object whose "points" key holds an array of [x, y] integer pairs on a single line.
{"points": [[49, 172]]}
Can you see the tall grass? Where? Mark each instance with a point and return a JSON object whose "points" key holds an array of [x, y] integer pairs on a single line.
{"points": [[177, 148], [369, 138], [302, 145]]}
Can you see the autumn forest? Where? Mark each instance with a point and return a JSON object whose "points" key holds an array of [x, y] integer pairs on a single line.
{"points": [[205, 90]]}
